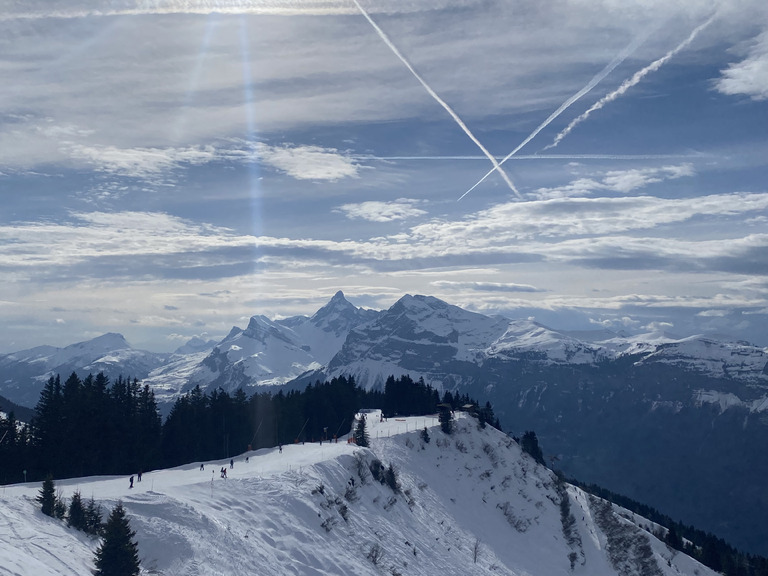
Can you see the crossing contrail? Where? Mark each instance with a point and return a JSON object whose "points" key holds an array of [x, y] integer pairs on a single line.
{"points": [[591, 84], [627, 84], [388, 42]]}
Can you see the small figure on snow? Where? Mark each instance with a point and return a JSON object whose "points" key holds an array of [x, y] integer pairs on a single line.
{"points": [[246, 459], [139, 476], [232, 463], [131, 479], [202, 466], [280, 448]]}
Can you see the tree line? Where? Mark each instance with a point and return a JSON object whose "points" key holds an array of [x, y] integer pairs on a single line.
{"points": [[94, 426]]}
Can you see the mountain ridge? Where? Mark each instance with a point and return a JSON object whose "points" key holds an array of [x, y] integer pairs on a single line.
{"points": [[469, 503]]}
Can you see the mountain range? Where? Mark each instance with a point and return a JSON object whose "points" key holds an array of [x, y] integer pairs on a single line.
{"points": [[640, 415]]}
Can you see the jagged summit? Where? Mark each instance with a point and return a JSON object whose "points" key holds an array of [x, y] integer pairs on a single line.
{"points": [[338, 316]]}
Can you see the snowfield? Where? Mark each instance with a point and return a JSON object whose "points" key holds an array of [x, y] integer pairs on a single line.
{"points": [[469, 503]]}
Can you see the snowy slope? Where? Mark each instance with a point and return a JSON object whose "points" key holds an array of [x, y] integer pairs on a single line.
{"points": [[471, 503]]}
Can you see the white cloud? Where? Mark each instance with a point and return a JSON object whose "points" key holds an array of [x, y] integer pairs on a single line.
{"points": [[623, 181], [628, 180], [309, 162], [508, 223], [103, 234], [658, 326], [31, 141], [750, 76], [615, 323], [713, 313], [375, 211], [486, 286], [139, 162]]}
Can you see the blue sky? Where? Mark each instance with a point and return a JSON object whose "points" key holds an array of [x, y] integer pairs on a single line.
{"points": [[168, 169]]}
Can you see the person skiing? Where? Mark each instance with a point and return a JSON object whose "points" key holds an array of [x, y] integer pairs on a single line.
{"points": [[139, 476], [202, 466], [232, 463], [131, 479]]}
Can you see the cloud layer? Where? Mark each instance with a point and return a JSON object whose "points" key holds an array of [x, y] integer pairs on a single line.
{"points": [[188, 164]]}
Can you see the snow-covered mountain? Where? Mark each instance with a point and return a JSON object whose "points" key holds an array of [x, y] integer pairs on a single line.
{"points": [[419, 335], [470, 503], [449, 347], [22, 374], [267, 353]]}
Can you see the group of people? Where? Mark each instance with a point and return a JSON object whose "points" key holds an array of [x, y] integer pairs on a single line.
{"points": [[131, 479], [222, 472]]}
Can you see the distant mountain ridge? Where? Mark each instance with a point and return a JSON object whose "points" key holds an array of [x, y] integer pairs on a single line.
{"points": [[418, 335]]}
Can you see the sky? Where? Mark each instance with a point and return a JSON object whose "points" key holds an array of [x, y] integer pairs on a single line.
{"points": [[170, 168]]}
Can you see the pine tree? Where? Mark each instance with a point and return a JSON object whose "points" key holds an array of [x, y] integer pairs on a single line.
{"points": [[47, 496], [446, 419], [530, 444], [390, 478], [59, 508], [361, 434], [76, 514], [93, 523], [118, 554]]}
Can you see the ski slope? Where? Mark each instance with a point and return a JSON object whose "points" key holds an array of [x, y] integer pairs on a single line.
{"points": [[470, 503]]}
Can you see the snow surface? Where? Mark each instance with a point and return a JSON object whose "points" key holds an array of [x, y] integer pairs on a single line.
{"points": [[284, 513]]}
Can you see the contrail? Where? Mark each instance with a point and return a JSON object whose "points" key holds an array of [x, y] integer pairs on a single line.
{"points": [[591, 84], [627, 84], [388, 42], [526, 157], [200, 7]]}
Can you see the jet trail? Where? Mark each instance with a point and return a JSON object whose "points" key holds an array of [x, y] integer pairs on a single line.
{"points": [[201, 7], [591, 84], [627, 84], [388, 42], [525, 157]]}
